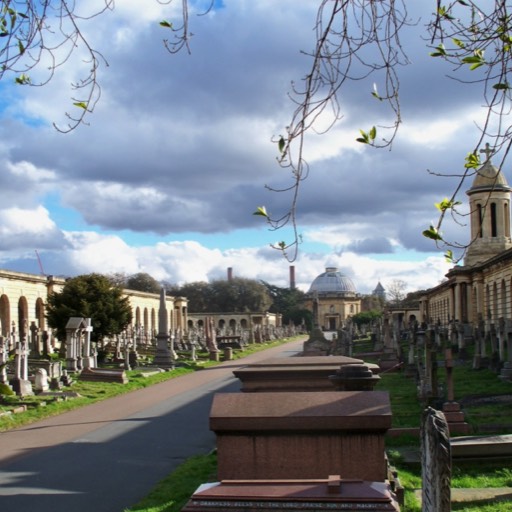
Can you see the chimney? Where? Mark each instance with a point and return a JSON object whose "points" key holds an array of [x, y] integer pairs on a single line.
{"points": [[292, 277], [230, 273]]}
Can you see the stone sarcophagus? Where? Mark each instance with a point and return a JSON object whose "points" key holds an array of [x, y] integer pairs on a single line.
{"points": [[293, 435]]}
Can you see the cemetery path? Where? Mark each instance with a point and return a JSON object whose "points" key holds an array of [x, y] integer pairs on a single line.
{"points": [[107, 456]]}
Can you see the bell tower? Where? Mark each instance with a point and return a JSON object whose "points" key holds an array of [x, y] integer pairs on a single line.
{"points": [[489, 202]]}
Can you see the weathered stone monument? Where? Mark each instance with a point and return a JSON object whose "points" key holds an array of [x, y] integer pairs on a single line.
{"points": [[435, 462], [41, 384], [164, 358], [74, 344], [452, 409], [20, 383], [316, 344], [4, 357]]}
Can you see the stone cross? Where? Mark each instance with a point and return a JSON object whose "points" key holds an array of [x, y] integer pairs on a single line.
{"points": [[88, 360], [488, 152], [4, 355]]}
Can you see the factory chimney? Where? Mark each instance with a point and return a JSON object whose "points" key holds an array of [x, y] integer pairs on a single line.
{"points": [[292, 277]]}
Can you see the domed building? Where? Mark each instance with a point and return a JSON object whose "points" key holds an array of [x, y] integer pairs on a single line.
{"points": [[333, 298]]}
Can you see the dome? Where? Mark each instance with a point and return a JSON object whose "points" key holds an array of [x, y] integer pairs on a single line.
{"points": [[488, 178], [332, 281]]}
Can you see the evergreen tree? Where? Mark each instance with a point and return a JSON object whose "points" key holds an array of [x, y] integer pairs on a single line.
{"points": [[90, 296]]}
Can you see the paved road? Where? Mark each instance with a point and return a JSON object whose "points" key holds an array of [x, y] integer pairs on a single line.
{"points": [[107, 456]]}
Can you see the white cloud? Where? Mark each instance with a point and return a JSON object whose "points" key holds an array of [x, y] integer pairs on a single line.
{"points": [[25, 223], [182, 144]]}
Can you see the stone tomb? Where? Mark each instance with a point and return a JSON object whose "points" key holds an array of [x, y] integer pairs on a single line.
{"points": [[294, 373], [104, 375], [262, 436]]}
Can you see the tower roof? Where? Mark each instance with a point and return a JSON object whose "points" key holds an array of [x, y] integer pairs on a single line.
{"points": [[489, 178]]}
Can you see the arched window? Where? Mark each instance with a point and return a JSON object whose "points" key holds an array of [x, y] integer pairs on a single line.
{"points": [[479, 220], [494, 223]]}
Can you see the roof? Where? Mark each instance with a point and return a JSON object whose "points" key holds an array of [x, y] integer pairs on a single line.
{"points": [[488, 178], [332, 281]]}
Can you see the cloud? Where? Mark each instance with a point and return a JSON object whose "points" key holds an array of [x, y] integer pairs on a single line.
{"points": [[179, 150]]}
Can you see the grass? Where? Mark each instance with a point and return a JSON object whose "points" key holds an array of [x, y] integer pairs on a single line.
{"points": [[172, 493]]}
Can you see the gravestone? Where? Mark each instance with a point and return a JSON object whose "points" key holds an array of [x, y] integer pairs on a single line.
{"points": [[20, 383], [435, 462], [41, 381]]}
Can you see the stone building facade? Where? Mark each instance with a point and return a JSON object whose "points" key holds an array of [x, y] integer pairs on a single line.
{"points": [[23, 300], [333, 299], [233, 322], [475, 301]]}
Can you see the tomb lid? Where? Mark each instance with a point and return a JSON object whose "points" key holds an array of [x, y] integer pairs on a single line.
{"points": [[312, 411]]}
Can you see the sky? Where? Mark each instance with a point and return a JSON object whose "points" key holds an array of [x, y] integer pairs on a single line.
{"points": [[167, 173]]}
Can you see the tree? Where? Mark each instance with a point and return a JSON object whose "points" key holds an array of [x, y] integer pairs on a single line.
{"points": [[366, 317], [395, 291], [289, 303], [356, 41], [198, 295], [143, 282], [237, 295], [90, 296]]}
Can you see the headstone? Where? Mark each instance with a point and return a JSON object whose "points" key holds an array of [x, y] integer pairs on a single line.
{"points": [[41, 381], [435, 462]]}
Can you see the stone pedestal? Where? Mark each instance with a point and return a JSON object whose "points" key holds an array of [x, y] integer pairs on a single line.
{"points": [[455, 418], [163, 357], [21, 387], [331, 493], [301, 435], [317, 344], [354, 377]]}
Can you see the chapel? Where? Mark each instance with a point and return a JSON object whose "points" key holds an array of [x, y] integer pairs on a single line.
{"points": [[334, 298], [475, 300]]}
